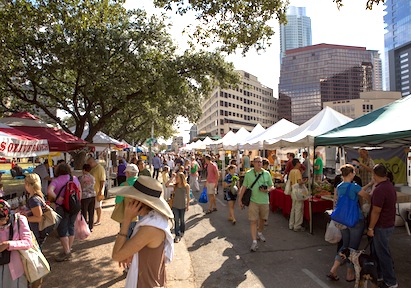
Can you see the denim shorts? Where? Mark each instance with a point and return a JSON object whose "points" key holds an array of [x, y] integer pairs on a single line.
{"points": [[66, 226]]}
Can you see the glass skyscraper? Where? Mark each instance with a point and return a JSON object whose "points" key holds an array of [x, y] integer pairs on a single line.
{"points": [[314, 74], [297, 32], [397, 42]]}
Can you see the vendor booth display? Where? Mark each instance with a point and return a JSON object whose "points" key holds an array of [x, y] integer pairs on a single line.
{"points": [[15, 143], [387, 127], [58, 140], [303, 137]]}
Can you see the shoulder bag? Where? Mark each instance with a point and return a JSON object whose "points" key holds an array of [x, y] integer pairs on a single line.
{"points": [[347, 211], [50, 218], [287, 188], [35, 264], [247, 193]]}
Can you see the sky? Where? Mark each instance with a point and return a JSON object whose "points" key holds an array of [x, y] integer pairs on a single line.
{"points": [[352, 25]]}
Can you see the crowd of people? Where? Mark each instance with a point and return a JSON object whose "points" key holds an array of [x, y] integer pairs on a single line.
{"points": [[166, 192]]}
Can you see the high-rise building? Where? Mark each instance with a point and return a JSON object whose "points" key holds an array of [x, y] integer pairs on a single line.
{"points": [[314, 74], [397, 42], [244, 106], [193, 132], [297, 32]]}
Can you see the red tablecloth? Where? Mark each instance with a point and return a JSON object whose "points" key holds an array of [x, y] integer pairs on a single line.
{"points": [[279, 200]]}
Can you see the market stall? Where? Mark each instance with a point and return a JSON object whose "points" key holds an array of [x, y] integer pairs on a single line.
{"points": [[303, 137], [388, 126]]}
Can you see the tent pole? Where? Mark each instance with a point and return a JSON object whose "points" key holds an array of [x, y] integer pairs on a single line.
{"points": [[310, 185]]}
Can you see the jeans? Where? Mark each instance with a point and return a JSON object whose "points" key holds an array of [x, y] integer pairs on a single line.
{"points": [[351, 237], [180, 225], [155, 173], [381, 250], [66, 226]]}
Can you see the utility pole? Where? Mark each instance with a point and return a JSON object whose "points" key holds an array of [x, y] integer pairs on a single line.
{"points": [[150, 156]]}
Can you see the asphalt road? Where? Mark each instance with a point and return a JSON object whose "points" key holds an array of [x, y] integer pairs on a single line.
{"points": [[215, 253]]}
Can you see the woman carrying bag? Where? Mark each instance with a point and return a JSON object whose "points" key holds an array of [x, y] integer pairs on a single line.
{"points": [[36, 205], [351, 236], [14, 236]]}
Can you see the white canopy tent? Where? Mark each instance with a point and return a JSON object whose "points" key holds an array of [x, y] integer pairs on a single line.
{"points": [[238, 137], [204, 143], [277, 129], [303, 136], [257, 130], [219, 144]]}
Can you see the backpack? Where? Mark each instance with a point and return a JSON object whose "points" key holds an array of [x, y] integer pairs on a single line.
{"points": [[71, 202]]}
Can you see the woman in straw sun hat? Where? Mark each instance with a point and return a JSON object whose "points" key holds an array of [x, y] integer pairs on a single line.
{"points": [[151, 243]]}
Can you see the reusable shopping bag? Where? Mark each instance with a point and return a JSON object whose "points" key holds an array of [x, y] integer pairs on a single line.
{"points": [[347, 211]]}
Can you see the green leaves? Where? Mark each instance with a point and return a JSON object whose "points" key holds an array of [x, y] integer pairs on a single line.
{"points": [[114, 70]]}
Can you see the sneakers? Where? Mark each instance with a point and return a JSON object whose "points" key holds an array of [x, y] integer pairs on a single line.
{"points": [[260, 236], [390, 286], [301, 229], [254, 247], [62, 256]]}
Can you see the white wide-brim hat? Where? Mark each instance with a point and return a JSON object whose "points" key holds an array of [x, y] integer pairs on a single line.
{"points": [[147, 190]]}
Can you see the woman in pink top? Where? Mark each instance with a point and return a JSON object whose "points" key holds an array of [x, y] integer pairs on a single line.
{"points": [[12, 273]]}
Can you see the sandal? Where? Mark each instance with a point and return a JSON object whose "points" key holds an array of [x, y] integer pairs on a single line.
{"points": [[214, 209], [209, 211], [234, 221], [352, 280], [333, 277]]}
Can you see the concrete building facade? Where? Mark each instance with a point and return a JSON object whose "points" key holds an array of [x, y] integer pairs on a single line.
{"points": [[244, 106], [368, 102]]}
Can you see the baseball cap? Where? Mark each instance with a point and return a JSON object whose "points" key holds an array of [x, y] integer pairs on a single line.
{"points": [[131, 168]]}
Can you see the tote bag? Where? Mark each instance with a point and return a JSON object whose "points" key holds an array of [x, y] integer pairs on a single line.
{"points": [[35, 264], [347, 211], [118, 212]]}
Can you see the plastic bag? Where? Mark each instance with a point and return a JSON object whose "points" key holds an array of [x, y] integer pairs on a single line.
{"points": [[81, 229], [287, 189], [203, 197], [332, 234], [299, 192]]}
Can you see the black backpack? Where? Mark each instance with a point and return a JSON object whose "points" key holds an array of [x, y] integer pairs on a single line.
{"points": [[72, 198]]}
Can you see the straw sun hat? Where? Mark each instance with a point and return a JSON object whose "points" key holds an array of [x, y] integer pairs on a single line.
{"points": [[147, 190]]}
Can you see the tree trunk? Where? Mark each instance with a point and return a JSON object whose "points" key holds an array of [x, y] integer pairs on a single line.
{"points": [[79, 159]]}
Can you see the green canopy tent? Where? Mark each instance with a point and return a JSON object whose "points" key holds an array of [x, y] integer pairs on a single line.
{"points": [[389, 126]]}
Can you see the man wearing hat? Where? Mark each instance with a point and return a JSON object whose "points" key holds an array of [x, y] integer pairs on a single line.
{"points": [[151, 242]]}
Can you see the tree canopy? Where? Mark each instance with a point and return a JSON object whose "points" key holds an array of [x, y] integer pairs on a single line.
{"points": [[116, 71]]}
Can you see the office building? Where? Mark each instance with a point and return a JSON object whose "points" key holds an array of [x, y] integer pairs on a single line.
{"points": [[193, 132], [397, 42], [297, 32], [368, 102], [245, 106], [178, 142], [315, 74]]}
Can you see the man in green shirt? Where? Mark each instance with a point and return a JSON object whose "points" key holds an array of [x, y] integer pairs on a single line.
{"points": [[318, 167], [258, 209]]}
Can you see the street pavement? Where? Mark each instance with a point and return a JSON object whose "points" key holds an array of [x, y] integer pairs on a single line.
{"points": [[215, 253]]}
